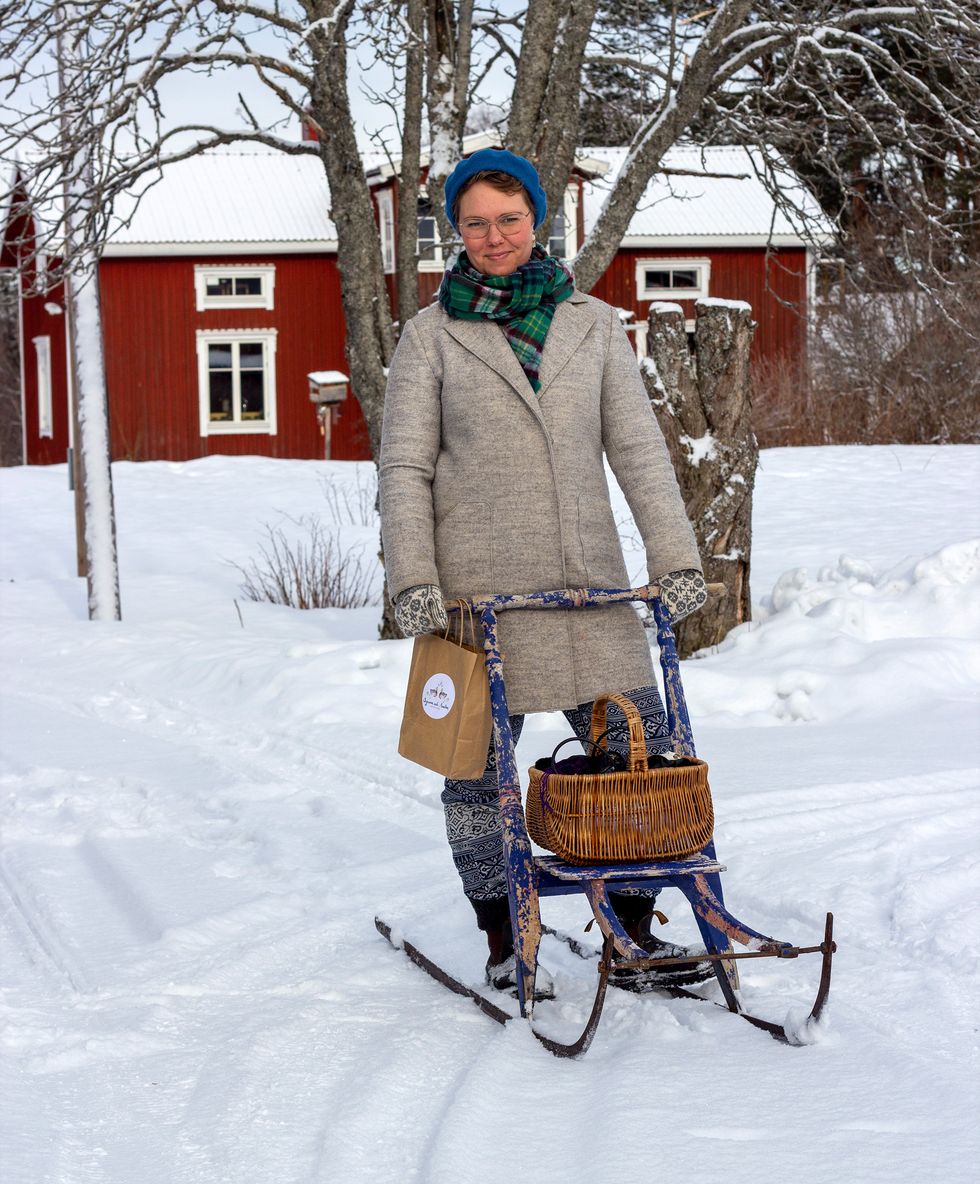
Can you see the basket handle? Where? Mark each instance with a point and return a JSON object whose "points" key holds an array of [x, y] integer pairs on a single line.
{"points": [[638, 744]]}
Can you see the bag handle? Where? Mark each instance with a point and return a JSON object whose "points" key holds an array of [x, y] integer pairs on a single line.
{"points": [[464, 607], [638, 745]]}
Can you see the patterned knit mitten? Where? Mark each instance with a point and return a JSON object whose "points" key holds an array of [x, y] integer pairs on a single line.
{"points": [[420, 610], [682, 592]]}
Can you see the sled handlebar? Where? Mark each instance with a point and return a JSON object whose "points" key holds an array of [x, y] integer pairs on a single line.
{"points": [[570, 598]]}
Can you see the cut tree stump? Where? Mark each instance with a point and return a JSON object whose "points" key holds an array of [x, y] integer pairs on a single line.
{"points": [[702, 399]]}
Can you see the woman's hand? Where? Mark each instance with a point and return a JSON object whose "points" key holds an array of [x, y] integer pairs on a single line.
{"points": [[682, 593], [420, 610]]}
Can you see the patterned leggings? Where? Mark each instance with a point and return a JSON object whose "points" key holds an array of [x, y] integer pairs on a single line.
{"points": [[472, 816]]}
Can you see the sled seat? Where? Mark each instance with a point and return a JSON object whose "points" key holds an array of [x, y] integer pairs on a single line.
{"points": [[555, 873]]}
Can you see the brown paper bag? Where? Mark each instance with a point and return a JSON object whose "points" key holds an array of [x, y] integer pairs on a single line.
{"points": [[446, 723]]}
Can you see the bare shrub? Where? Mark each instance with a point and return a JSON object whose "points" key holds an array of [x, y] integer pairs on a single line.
{"points": [[353, 507], [884, 368], [310, 572]]}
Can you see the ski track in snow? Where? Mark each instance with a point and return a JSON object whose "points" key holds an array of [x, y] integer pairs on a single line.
{"points": [[201, 821]]}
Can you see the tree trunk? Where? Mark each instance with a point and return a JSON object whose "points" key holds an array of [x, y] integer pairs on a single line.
{"points": [[703, 403], [95, 513], [406, 247], [93, 465], [367, 310], [450, 36], [560, 113]]}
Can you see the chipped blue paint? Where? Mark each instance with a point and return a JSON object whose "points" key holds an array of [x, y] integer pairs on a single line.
{"points": [[609, 923], [519, 864], [706, 905], [632, 875], [678, 720]]}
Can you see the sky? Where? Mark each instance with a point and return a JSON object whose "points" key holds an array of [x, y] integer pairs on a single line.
{"points": [[188, 97]]}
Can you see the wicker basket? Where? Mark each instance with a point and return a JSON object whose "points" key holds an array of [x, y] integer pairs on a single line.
{"points": [[623, 817]]}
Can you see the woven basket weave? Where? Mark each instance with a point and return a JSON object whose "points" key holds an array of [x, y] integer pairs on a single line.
{"points": [[625, 817]]}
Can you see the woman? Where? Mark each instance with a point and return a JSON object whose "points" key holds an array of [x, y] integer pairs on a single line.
{"points": [[501, 400]]}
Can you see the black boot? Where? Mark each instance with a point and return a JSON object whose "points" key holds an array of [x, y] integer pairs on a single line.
{"points": [[636, 914], [493, 917]]}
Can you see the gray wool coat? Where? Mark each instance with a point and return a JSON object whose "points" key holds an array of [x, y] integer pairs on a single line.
{"points": [[487, 487]]}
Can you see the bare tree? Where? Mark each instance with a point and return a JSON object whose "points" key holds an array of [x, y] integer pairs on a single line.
{"points": [[740, 70]]}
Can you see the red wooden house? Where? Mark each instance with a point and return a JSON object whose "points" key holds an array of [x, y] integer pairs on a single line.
{"points": [[43, 340], [221, 294]]}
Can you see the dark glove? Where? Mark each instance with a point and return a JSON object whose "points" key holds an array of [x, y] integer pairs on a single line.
{"points": [[420, 610], [682, 593]]}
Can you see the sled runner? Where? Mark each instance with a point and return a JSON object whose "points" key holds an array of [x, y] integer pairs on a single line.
{"points": [[529, 877]]}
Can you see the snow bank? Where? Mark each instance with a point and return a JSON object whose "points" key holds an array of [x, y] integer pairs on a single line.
{"points": [[204, 808]]}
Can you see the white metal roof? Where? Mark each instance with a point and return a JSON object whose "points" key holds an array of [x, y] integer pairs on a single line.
{"points": [[705, 210], [236, 200], [243, 201]]}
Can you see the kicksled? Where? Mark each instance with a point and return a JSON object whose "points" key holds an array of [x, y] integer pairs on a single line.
{"points": [[530, 877]]}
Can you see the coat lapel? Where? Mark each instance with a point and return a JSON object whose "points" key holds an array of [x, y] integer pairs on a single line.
{"points": [[488, 343], [573, 319]]}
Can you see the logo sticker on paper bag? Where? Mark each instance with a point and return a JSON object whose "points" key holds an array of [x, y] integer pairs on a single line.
{"points": [[438, 696]]}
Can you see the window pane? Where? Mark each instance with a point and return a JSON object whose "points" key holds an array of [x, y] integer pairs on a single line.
{"points": [[250, 355], [248, 285], [658, 279], [219, 356], [684, 279], [253, 394], [220, 393], [219, 285], [556, 243], [427, 238]]}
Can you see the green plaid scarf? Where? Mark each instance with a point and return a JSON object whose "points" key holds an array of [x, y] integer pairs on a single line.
{"points": [[522, 303]]}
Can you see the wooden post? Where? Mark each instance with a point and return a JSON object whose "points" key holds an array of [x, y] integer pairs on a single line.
{"points": [[703, 403]]}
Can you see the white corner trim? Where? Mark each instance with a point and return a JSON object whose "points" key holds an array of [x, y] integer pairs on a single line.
{"points": [[45, 420]]}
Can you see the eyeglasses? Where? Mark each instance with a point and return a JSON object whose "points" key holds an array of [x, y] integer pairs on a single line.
{"points": [[480, 227]]}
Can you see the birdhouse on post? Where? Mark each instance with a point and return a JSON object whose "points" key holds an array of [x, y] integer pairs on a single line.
{"points": [[328, 389]]}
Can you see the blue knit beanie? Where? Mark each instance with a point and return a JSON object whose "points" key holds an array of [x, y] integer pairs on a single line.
{"points": [[501, 161]]}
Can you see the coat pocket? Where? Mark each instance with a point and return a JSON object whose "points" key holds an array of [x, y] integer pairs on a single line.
{"points": [[527, 545], [602, 551], [462, 549]]}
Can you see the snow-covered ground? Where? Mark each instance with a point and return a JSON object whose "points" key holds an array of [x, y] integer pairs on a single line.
{"points": [[204, 810]]}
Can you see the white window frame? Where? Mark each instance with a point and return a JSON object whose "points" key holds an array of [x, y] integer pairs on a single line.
{"points": [[45, 419], [703, 266], [237, 427], [266, 272], [386, 227]]}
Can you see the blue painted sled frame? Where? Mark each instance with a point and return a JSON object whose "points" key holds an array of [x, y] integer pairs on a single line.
{"points": [[697, 877]]}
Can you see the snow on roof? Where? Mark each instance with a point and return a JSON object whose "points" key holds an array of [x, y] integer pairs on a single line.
{"points": [[239, 199], [734, 206]]}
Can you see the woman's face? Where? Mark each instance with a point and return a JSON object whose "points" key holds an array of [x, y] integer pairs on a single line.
{"points": [[498, 253]]}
